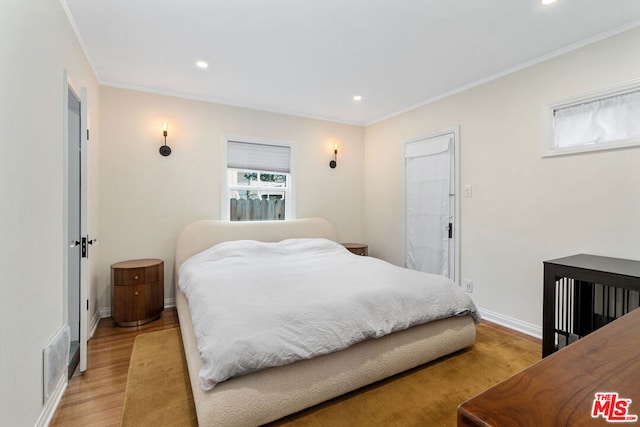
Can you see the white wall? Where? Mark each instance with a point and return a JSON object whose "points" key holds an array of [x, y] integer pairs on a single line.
{"points": [[146, 199], [524, 209], [36, 44]]}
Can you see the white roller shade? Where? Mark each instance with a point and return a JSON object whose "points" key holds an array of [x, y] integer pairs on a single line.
{"points": [[262, 157], [427, 147]]}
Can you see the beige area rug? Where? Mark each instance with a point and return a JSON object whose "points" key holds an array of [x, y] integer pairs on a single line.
{"points": [[158, 389], [159, 393]]}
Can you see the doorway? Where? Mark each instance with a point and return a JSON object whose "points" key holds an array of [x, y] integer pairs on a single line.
{"points": [[431, 204], [76, 239]]}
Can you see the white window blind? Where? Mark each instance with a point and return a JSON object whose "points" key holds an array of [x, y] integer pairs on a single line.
{"points": [[263, 157], [600, 121]]}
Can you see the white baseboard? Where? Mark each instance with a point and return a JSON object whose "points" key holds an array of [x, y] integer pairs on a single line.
{"points": [[511, 323], [106, 311], [93, 324], [50, 407]]}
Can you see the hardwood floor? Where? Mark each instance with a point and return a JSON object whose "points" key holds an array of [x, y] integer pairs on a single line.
{"points": [[95, 398]]}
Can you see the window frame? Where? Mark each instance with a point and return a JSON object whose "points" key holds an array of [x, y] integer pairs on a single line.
{"points": [[548, 147], [290, 194]]}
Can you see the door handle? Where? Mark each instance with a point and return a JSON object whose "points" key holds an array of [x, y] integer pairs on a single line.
{"points": [[85, 249]]}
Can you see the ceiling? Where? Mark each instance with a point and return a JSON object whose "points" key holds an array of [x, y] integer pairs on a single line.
{"points": [[310, 57]]}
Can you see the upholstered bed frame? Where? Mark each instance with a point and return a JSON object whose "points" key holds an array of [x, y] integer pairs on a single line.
{"points": [[273, 393]]}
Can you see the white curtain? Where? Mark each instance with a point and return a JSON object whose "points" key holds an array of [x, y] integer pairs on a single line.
{"points": [[613, 118], [427, 186]]}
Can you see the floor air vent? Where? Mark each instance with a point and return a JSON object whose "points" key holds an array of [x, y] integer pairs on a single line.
{"points": [[56, 359]]}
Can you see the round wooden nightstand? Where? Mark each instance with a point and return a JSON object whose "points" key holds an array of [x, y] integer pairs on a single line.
{"points": [[357, 248], [137, 291]]}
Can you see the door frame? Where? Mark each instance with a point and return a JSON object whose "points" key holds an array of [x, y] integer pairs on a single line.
{"points": [[455, 130], [84, 262]]}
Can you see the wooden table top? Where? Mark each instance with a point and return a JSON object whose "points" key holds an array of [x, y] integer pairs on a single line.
{"points": [[137, 263], [560, 390]]}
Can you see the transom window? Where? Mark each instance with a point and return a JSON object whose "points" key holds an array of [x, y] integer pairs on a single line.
{"points": [[601, 121], [258, 181]]}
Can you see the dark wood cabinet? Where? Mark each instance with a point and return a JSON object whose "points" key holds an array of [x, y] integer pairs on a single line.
{"points": [[584, 292], [137, 291]]}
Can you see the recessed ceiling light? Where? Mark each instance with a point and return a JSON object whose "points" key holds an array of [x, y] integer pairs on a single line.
{"points": [[357, 97], [546, 2], [202, 64]]}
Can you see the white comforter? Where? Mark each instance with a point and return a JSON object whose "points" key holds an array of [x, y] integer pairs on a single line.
{"points": [[257, 305]]}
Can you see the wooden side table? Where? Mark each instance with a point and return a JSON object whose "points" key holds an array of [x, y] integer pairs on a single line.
{"points": [[357, 248], [137, 291]]}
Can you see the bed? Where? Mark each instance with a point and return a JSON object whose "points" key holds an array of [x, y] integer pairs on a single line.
{"points": [[269, 394]]}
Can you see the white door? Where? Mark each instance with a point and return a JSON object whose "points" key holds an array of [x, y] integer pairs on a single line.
{"points": [[74, 235], [84, 228], [76, 217], [430, 200]]}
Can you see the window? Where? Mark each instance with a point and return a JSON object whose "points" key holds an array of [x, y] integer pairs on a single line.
{"points": [[601, 121], [258, 180]]}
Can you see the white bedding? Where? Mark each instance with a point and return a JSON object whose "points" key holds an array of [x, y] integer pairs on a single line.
{"points": [[256, 305]]}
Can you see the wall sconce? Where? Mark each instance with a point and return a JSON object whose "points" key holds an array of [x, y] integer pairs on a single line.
{"points": [[165, 150], [333, 163]]}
